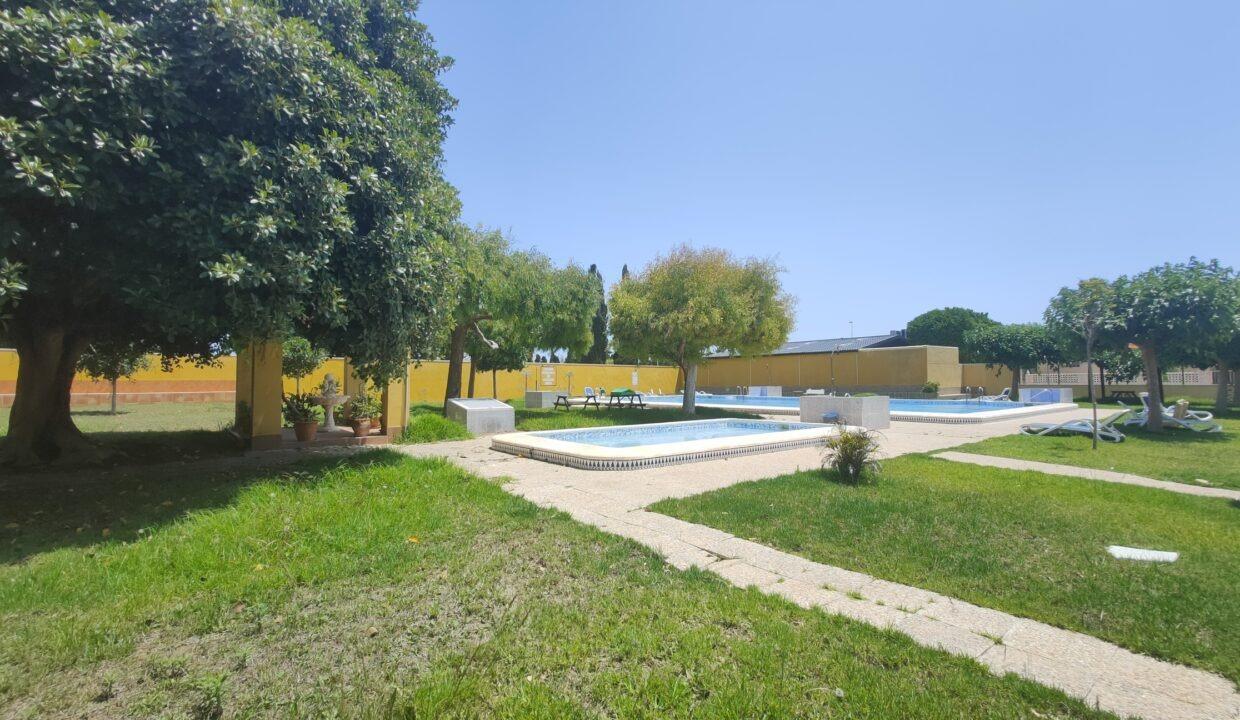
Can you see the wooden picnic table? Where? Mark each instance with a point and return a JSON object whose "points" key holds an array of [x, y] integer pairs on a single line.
{"points": [[617, 399], [566, 402]]}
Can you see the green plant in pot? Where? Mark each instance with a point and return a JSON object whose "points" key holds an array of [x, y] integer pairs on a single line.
{"points": [[303, 413], [363, 409]]}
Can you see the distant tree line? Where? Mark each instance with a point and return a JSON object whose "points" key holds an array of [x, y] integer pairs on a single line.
{"points": [[1182, 314]]}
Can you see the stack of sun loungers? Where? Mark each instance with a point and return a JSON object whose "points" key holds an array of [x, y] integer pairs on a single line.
{"points": [[1107, 431], [1176, 416]]}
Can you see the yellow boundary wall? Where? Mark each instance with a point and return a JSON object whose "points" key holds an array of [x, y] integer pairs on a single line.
{"points": [[898, 369], [427, 380]]}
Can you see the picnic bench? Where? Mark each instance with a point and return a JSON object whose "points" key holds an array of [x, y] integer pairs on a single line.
{"points": [[624, 396], [566, 402]]}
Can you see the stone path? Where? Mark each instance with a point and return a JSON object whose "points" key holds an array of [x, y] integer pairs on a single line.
{"points": [[1095, 671], [1090, 474]]}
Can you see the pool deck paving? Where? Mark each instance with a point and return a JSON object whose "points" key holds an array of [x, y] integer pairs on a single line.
{"points": [[1090, 474], [1085, 667]]}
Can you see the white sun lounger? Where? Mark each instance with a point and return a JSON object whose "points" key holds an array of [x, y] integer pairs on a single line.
{"points": [[1001, 397], [1142, 418], [1106, 427]]}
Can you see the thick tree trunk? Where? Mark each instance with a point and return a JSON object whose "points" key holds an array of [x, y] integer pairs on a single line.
{"points": [[1102, 381], [1220, 397], [113, 398], [41, 427], [689, 403], [473, 375], [1015, 383], [495, 384], [1153, 385], [456, 361]]}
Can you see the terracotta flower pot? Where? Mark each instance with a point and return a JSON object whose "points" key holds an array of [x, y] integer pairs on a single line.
{"points": [[306, 431], [361, 428]]}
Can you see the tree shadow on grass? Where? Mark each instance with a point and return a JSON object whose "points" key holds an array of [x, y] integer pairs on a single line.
{"points": [[41, 513], [1178, 436]]}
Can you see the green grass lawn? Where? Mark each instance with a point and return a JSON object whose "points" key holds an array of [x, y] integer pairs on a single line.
{"points": [[427, 423], [1175, 454], [1027, 543], [156, 432], [383, 586]]}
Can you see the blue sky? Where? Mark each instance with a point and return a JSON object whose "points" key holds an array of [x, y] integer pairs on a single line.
{"points": [[894, 157]]}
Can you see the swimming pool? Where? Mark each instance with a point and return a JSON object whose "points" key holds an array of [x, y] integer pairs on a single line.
{"points": [[630, 447], [951, 411]]}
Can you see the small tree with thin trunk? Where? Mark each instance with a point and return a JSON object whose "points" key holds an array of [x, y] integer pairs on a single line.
{"points": [[1084, 311], [110, 362], [682, 307], [299, 359], [1021, 346], [1175, 309]]}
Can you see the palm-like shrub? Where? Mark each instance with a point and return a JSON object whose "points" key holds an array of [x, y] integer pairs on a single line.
{"points": [[853, 454]]}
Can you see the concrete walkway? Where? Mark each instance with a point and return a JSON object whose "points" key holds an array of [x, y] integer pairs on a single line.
{"points": [[1090, 474], [1082, 666]]}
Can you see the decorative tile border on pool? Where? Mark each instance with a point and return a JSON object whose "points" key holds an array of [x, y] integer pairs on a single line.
{"points": [[899, 415], [583, 456], [751, 409], [981, 417]]}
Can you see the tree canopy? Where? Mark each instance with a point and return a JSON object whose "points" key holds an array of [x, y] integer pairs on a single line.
{"points": [[1177, 310], [948, 327], [1081, 313], [300, 358], [1020, 346], [692, 302], [275, 170], [531, 302]]}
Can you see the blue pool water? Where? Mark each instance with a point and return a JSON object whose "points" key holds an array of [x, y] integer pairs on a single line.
{"points": [[636, 435], [953, 407]]}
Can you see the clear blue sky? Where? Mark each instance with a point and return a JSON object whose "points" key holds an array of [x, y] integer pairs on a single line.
{"points": [[894, 157]]}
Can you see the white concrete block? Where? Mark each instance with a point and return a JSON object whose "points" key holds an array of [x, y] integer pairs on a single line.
{"points": [[482, 416], [536, 399], [872, 412]]}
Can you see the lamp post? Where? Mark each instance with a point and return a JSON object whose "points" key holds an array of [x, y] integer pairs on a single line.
{"points": [[833, 351]]}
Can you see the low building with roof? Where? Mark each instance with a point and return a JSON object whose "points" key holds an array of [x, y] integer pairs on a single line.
{"points": [[884, 364]]}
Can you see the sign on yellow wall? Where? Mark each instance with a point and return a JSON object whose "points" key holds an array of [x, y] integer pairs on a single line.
{"points": [[547, 373]]}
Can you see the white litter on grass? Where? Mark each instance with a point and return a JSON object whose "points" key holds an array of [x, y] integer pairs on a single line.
{"points": [[1128, 553]]}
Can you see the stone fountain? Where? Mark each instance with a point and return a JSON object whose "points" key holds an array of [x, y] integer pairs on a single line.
{"points": [[329, 397]]}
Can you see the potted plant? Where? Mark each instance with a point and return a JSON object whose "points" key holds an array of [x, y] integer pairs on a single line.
{"points": [[362, 408], [301, 410]]}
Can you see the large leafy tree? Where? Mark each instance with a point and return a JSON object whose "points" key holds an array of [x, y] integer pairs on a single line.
{"points": [[1178, 310], [1221, 352], [947, 326], [529, 300], [598, 326], [177, 174], [683, 306], [1083, 312], [1020, 346]]}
